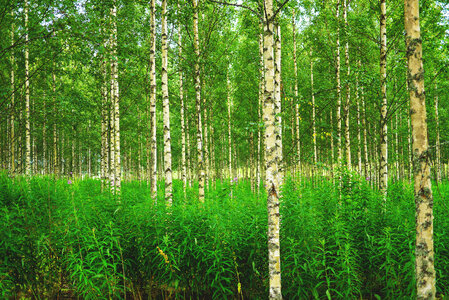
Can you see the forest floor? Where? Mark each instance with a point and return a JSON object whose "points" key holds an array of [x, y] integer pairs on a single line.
{"points": [[70, 239]]}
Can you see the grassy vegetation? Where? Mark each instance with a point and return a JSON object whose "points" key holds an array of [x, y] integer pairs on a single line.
{"points": [[74, 240]]}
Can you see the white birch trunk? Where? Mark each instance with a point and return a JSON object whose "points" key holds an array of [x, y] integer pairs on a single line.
{"points": [[272, 159], [229, 101], [27, 99], [166, 110], [315, 158], [181, 98], [424, 249], [196, 44], [13, 109], [278, 103], [348, 88], [153, 139], [338, 116], [437, 142], [383, 184]]}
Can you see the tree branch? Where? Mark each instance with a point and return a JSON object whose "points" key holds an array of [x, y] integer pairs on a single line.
{"points": [[238, 5]]}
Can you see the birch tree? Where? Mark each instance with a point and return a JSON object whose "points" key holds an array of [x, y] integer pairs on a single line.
{"points": [[181, 99], [166, 104], [27, 98], [12, 112], [348, 88], [153, 140], [201, 175], [424, 251], [271, 155], [383, 118]]}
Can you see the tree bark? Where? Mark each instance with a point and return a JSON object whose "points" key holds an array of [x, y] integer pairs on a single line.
{"points": [[315, 159], [259, 108], [27, 99], [297, 117], [359, 129], [196, 44], [271, 154], [383, 184], [153, 139], [114, 75], [229, 101], [166, 110], [44, 137], [278, 102], [338, 116], [424, 251], [12, 129], [365, 135], [437, 142], [348, 88], [183, 127]]}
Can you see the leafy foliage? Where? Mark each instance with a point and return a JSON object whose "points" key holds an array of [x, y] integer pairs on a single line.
{"points": [[72, 239]]}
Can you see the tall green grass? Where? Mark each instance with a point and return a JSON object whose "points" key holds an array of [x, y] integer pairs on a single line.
{"points": [[73, 240]]}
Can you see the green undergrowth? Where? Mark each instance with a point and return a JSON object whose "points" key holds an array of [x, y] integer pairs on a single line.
{"points": [[72, 240]]}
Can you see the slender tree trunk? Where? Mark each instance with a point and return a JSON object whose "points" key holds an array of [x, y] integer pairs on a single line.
{"points": [[112, 126], [62, 155], [139, 143], [72, 156], [229, 101], [153, 139], [212, 149], [365, 135], [80, 156], [13, 109], [339, 146], [89, 159], [348, 88], [297, 117], [332, 145], [315, 160], [359, 129], [148, 145], [383, 119], [437, 142], [424, 251], [206, 143], [396, 137], [27, 99], [272, 159], [104, 123], [181, 98], [33, 139], [196, 43], [20, 148], [44, 138], [117, 171], [55, 132], [188, 153], [166, 110], [116, 104], [259, 108]]}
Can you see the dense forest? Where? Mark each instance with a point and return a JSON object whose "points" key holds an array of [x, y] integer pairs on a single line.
{"points": [[235, 149]]}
